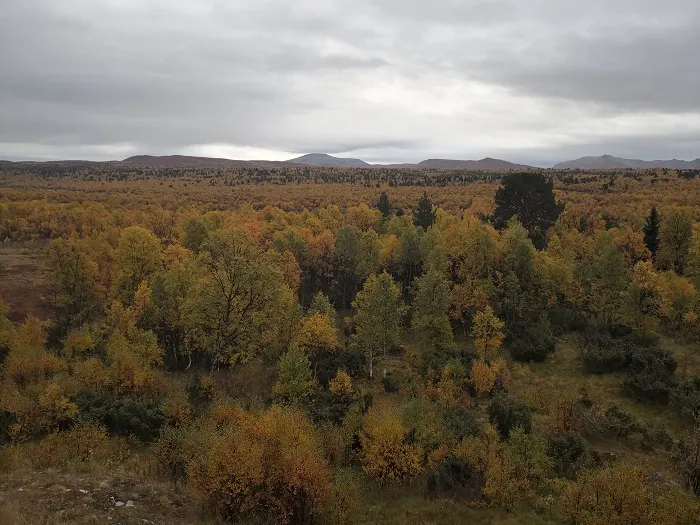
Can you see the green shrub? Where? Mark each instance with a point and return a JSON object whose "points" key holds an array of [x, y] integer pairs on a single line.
{"points": [[610, 348], [535, 343], [614, 422], [455, 479], [121, 415], [177, 447], [652, 375], [686, 399], [568, 453], [326, 366], [507, 414], [565, 320], [389, 384], [460, 422]]}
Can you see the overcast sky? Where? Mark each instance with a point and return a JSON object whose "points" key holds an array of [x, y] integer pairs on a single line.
{"points": [[533, 81]]}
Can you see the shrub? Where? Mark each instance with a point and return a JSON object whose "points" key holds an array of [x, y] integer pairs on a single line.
{"points": [[177, 447], [326, 366], [534, 343], [652, 375], [686, 398], [386, 456], [564, 320], [686, 458], [614, 422], [121, 415], [656, 436], [621, 494], [568, 453], [455, 479], [78, 446], [507, 414], [389, 384], [327, 406], [610, 348], [460, 422], [264, 469]]}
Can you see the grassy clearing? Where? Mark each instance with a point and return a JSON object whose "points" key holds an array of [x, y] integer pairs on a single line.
{"points": [[540, 384], [21, 282]]}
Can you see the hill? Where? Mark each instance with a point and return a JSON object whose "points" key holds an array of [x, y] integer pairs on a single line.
{"points": [[487, 164], [610, 162], [321, 159], [183, 161]]}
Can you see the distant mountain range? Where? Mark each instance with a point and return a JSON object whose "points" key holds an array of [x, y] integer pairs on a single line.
{"points": [[487, 164], [182, 161], [324, 160], [610, 162]]}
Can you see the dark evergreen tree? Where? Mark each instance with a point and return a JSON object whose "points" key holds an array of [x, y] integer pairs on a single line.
{"points": [[530, 198], [424, 216], [651, 231], [384, 206]]}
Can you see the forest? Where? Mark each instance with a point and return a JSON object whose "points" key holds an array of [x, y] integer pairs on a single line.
{"points": [[329, 346]]}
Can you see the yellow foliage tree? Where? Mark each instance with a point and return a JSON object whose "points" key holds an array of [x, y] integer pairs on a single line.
{"points": [[483, 377], [385, 454], [341, 384], [267, 468], [316, 335], [622, 495], [137, 257], [487, 333]]}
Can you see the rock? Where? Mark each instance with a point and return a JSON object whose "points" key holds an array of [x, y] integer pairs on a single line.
{"points": [[656, 477], [83, 491], [129, 504], [118, 503]]}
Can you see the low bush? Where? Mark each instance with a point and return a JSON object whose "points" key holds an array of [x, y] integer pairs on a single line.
{"points": [[78, 446], [568, 454], [326, 366], [455, 479], [564, 320], [614, 422], [177, 447], [460, 421], [652, 375], [686, 399], [611, 348], [534, 343], [507, 414], [121, 415]]}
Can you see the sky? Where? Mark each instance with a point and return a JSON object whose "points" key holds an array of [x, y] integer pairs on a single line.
{"points": [[536, 81]]}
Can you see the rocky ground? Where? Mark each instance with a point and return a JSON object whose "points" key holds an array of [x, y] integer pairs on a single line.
{"points": [[48, 497]]}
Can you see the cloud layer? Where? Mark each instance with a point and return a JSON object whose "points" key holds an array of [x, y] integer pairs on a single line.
{"points": [[384, 80]]}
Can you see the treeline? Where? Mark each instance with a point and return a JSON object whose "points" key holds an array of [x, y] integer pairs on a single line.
{"points": [[145, 295], [392, 177]]}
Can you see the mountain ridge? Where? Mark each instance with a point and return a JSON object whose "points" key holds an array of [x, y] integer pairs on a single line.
{"points": [[324, 160], [611, 162]]}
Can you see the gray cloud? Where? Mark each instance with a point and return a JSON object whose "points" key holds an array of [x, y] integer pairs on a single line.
{"points": [[393, 80]]}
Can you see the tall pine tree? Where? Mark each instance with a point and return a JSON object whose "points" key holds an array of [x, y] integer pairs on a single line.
{"points": [[530, 198], [424, 216], [384, 206], [651, 231]]}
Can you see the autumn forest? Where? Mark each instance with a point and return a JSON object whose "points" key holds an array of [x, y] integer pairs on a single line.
{"points": [[335, 345]]}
